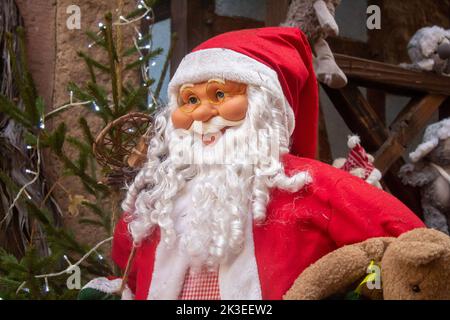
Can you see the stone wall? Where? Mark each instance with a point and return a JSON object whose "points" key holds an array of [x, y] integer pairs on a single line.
{"points": [[39, 19], [52, 52]]}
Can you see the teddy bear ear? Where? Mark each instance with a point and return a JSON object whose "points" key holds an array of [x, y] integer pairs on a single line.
{"points": [[416, 252]]}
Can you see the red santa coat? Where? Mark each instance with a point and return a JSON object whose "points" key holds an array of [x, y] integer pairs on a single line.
{"points": [[336, 209]]}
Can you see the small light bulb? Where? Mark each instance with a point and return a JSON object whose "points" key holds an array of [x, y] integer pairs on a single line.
{"points": [[147, 46], [141, 58], [153, 63], [147, 18], [140, 6], [96, 107], [46, 287], [42, 125], [90, 45], [100, 257], [100, 25], [29, 147]]}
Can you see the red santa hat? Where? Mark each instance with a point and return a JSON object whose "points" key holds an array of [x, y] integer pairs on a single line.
{"points": [[276, 58]]}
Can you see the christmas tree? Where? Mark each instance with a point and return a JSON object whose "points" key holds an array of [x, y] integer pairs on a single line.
{"points": [[42, 265]]}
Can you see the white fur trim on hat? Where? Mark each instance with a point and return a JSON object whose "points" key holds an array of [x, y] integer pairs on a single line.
{"points": [[435, 132], [203, 65], [353, 140]]}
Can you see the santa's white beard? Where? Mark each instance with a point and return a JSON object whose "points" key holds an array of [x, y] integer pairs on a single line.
{"points": [[215, 222], [220, 191], [224, 182]]}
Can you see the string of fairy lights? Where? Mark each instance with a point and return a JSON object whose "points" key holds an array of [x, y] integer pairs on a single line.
{"points": [[147, 14]]}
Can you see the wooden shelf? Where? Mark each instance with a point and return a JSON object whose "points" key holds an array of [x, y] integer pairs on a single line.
{"points": [[429, 93], [392, 78]]}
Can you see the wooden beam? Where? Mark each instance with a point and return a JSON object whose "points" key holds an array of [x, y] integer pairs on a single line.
{"points": [[414, 117], [392, 78], [194, 21], [222, 24], [276, 11], [178, 9], [444, 110], [358, 115], [161, 10], [377, 99], [363, 120], [351, 47]]}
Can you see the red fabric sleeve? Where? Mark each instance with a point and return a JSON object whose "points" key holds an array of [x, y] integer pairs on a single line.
{"points": [[361, 211], [121, 249]]}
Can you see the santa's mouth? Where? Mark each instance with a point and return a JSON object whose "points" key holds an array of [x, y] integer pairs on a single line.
{"points": [[210, 138]]}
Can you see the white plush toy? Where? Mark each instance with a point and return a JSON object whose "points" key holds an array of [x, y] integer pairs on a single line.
{"points": [[429, 50]]}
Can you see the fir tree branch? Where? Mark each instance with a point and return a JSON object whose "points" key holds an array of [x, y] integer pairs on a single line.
{"points": [[112, 54], [23, 189], [71, 266], [93, 62]]}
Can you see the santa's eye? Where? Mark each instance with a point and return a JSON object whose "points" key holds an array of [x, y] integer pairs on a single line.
{"points": [[416, 289], [220, 95], [193, 100]]}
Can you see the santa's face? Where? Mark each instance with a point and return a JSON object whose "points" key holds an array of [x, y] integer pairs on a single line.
{"points": [[209, 108]]}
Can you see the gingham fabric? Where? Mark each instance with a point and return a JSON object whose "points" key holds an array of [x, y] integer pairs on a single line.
{"points": [[201, 286]]}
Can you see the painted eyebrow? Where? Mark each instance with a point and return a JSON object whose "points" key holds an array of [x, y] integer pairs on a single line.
{"points": [[216, 80], [187, 85]]}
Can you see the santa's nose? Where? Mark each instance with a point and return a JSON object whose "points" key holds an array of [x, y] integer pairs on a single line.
{"points": [[204, 112]]}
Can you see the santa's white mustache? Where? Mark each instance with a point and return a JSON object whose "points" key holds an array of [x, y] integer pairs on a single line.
{"points": [[214, 125]]}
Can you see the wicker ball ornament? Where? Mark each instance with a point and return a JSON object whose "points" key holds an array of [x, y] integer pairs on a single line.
{"points": [[121, 147]]}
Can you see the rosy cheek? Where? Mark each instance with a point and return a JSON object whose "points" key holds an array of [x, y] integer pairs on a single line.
{"points": [[235, 108], [181, 120]]}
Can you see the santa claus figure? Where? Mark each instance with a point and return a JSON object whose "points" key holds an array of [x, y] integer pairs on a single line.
{"points": [[231, 204]]}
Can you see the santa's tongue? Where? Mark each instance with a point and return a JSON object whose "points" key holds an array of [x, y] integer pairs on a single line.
{"points": [[208, 138], [209, 131], [212, 130]]}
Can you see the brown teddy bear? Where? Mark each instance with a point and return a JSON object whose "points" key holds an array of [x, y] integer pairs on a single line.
{"points": [[414, 266]]}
